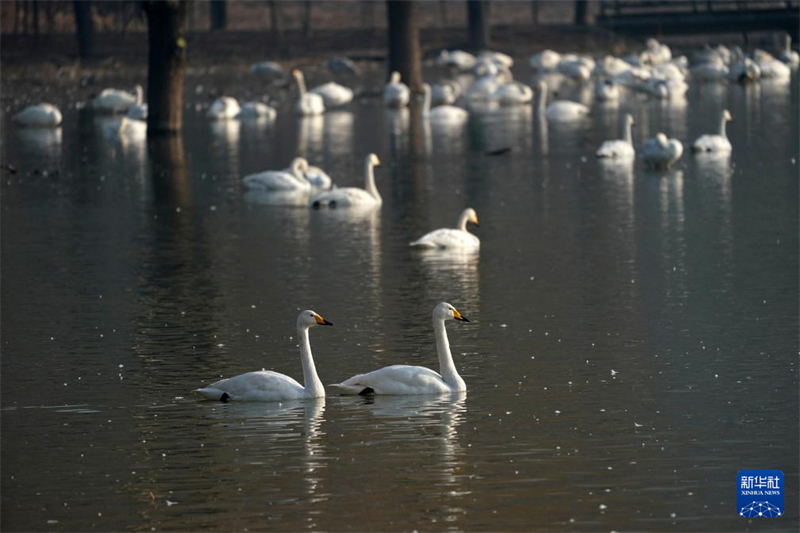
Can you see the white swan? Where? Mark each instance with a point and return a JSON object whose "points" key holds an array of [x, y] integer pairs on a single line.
{"points": [[718, 143], [458, 59], [606, 91], [771, 68], [267, 68], [333, 94], [545, 61], [442, 113], [405, 379], [352, 196], [314, 175], [39, 116], [714, 69], [291, 179], [514, 93], [137, 112], [661, 152], [560, 110], [445, 92], [223, 108], [396, 93], [308, 104], [447, 238], [257, 111], [269, 386], [620, 149], [117, 101], [789, 56], [745, 70]]}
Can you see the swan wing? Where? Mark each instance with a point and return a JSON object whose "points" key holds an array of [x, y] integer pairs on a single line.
{"points": [[346, 196], [273, 180], [395, 380], [262, 386], [447, 238], [615, 149]]}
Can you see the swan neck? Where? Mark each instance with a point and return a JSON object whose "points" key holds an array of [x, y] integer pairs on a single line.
{"points": [[541, 98], [446, 366], [628, 133], [297, 172], [311, 381], [722, 129], [301, 84], [369, 180], [426, 102], [462, 221]]}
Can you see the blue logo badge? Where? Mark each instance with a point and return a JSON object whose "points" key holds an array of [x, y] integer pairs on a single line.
{"points": [[759, 493]]}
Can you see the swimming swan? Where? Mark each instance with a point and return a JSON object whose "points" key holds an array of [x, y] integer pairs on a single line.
{"points": [[292, 179], [269, 386], [117, 101], [308, 104], [715, 143], [442, 113], [223, 108], [661, 152], [621, 148], [396, 93], [446, 238], [353, 196], [39, 116], [510, 94], [257, 111], [333, 94], [560, 110], [405, 379]]}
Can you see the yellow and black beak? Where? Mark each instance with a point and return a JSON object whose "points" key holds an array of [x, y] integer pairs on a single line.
{"points": [[321, 321], [459, 316], [475, 221]]}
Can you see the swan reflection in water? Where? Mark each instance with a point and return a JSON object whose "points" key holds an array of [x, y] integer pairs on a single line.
{"points": [[338, 132], [448, 272], [310, 130], [42, 143], [225, 147]]}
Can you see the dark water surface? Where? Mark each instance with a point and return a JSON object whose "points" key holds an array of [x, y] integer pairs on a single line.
{"points": [[633, 341]]}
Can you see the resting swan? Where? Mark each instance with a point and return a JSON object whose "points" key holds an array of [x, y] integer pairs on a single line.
{"points": [[39, 116], [308, 104], [223, 108], [510, 94], [291, 179], [396, 93], [269, 386], [606, 91], [257, 111], [715, 143], [333, 94], [661, 152], [117, 101], [445, 238], [442, 113], [404, 379], [352, 196], [560, 110], [619, 149]]}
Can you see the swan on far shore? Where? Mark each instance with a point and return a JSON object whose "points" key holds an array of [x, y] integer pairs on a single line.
{"points": [[39, 116], [257, 111], [407, 380], [560, 110], [718, 143], [353, 196], [308, 104], [117, 101], [452, 238], [269, 386], [619, 149]]}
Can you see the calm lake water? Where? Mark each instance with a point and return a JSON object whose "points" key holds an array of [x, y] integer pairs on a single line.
{"points": [[633, 341]]}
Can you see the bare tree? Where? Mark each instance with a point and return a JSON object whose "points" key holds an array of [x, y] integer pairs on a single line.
{"points": [[580, 12], [274, 20], [404, 52], [218, 14], [84, 28], [166, 29], [480, 37]]}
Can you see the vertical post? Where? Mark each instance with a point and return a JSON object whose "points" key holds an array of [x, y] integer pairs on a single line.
{"points": [[307, 18], [274, 20], [580, 12], [36, 17], [166, 30], [218, 14], [404, 52], [84, 28], [479, 26]]}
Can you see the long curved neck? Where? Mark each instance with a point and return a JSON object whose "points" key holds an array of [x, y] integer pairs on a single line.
{"points": [[462, 221], [369, 180], [446, 366], [628, 134], [301, 85], [139, 95], [541, 99], [426, 102], [297, 172], [722, 128], [311, 381]]}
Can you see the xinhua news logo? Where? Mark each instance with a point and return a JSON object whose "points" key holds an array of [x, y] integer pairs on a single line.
{"points": [[759, 493]]}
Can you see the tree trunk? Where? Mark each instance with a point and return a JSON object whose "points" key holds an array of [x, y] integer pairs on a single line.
{"points": [[218, 15], [166, 29], [580, 12], [36, 17], [274, 22], [480, 37], [307, 18], [84, 28], [404, 53]]}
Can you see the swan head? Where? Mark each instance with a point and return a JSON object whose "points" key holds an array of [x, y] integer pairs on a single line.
{"points": [[297, 73], [726, 115], [471, 216], [395, 78], [309, 319], [445, 311], [299, 165], [373, 160], [629, 119]]}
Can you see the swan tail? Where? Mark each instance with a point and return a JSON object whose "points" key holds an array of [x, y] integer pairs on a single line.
{"points": [[419, 243], [349, 389], [210, 393], [604, 153]]}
